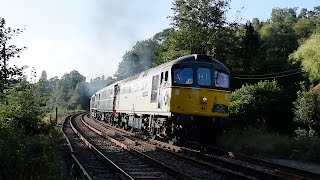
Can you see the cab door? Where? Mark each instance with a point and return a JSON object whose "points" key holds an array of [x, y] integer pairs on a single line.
{"points": [[115, 97], [163, 91], [160, 89]]}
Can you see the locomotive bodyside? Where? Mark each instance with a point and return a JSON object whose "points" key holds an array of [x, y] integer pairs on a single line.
{"points": [[102, 102], [141, 95]]}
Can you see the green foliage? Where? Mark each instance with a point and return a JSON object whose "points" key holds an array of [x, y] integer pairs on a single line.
{"points": [[259, 104], [308, 56], [307, 109], [279, 40], [284, 15], [166, 49], [304, 27], [29, 157], [70, 91], [260, 141], [244, 47], [8, 74], [27, 144], [199, 24], [201, 27], [22, 108]]}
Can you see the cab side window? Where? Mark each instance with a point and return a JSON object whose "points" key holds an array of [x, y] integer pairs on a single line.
{"points": [[166, 76], [154, 88]]}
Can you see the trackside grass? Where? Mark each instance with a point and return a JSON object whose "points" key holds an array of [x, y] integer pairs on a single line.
{"points": [[258, 141]]}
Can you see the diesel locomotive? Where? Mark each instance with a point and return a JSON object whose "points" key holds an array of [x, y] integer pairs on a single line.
{"points": [[186, 98]]}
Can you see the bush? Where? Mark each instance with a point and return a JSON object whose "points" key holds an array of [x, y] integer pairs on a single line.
{"points": [[28, 146], [263, 103], [29, 157], [307, 109]]}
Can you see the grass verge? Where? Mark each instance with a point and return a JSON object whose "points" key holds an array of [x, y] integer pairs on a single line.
{"points": [[252, 140]]}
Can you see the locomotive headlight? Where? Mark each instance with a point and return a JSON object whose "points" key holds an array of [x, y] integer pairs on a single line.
{"points": [[204, 100]]}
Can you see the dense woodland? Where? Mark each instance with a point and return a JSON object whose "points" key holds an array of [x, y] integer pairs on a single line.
{"points": [[275, 65]]}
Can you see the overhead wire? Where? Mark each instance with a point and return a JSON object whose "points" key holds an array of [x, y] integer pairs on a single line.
{"points": [[269, 75]]}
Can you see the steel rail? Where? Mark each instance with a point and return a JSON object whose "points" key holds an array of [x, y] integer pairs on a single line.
{"points": [[201, 164], [283, 170], [105, 159], [75, 159], [279, 173], [175, 173]]}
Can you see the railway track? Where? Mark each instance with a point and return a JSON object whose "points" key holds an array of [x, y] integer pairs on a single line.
{"points": [[180, 169], [84, 156], [285, 171], [127, 163], [243, 166], [191, 167]]}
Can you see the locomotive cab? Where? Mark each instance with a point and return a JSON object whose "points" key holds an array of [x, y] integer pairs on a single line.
{"points": [[200, 94], [200, 87]]}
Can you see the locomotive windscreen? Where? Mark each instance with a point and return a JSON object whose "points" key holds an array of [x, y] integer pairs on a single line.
{"points": [[195, 75]]}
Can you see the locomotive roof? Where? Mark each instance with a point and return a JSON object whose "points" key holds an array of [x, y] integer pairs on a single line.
{"points": [[198, 58], [106, 88], [184, 59]]}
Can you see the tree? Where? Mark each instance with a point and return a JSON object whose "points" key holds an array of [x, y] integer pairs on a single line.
{"points": [[247, 51], [44, 75], [165, 50], [162, 36], [258, 104], [278, 40], [284, 15], [24, 108], [65, 90], [308, 56], [256, 24], [200, 27], [43, 82], [8, 74], [315, 12], [304, 27], [307, 109], [303, 13], [199, 24]]}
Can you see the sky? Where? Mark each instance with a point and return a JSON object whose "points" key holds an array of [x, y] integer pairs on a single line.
{"points": [[91, 36]]}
